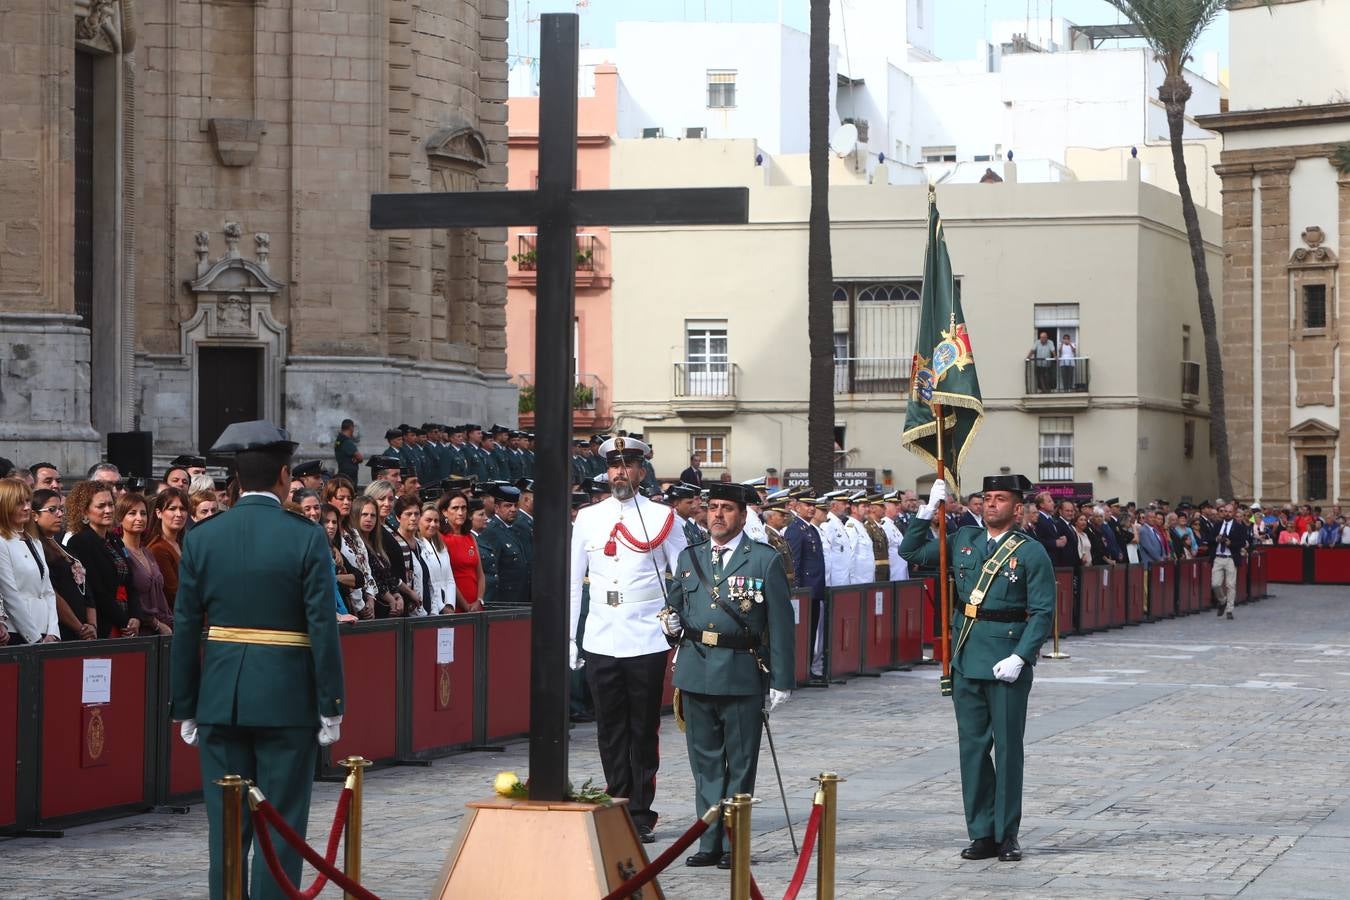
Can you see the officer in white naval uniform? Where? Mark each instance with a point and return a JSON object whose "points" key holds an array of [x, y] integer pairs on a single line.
{"points": [[899, 568], [838, 549], [625, 544], [862, 564], [754, 520]]}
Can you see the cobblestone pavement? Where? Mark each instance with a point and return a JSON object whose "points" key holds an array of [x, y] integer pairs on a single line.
{"points": [[1189, 758]]}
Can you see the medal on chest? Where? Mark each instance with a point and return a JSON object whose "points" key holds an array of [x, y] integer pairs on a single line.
{"points": [[1011, 572]]}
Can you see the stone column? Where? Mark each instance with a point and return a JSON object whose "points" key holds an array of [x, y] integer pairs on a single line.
{"points": [[1341, 327], [1236, 321], [1275, 333]]}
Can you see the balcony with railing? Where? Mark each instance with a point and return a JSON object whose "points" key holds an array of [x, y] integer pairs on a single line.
{"points": [[589, 271], [590, 402], [1190, 382], [705, 387], [1057, 383], [871, 375]]}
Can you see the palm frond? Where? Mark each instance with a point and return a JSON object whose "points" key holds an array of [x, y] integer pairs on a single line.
{"points": [[1340, 158], [1171, 27]]}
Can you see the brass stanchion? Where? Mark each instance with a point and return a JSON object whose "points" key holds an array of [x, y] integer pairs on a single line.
{"points": [[232, 835], [737, 814], [351, 842], [828, 796], [1055, 654]]}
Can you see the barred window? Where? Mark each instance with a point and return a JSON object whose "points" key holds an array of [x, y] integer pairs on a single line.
{"points": [[721, 88], [1314, 306], [1056, 448], [711, 447]]}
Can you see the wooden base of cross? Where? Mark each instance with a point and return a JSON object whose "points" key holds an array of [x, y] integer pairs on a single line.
{"points": [[532, 848]]}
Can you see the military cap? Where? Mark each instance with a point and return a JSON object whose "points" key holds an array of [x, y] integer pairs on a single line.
{"points": [[307, 468], [858, 497], [457, 482], [392, 433], [682, 491], [499, 429], [241, 437], [779, 495], [456, 429], [383, 463], [506, 493], [221, 484], [740, 494], [599, 438], [618, 449], [580, 499], [581, 443], [800, 493], [186, 460], [407, 472], [430, 426], [839, 494], [758, 482], [892, 497], [525, 485], [1015, 484], [472, 427], [1114, 501], [596, 485], [877, 500]]}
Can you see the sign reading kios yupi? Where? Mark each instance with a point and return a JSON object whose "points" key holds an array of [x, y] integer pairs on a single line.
{"points": [[854, 479]]}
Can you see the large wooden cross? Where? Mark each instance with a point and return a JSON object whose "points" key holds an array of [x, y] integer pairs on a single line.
{"points": [[557, 208]]}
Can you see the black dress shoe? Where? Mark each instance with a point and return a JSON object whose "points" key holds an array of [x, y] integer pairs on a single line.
{"points": [[646, 835], [1010, 851], [703, 859], [1218, 611], [725, 861], [980, 848], [1230, 615]]}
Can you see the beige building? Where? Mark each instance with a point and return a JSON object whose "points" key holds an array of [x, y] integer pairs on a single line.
{"points": [[710, 349], [1286, 190], [184, 240]]}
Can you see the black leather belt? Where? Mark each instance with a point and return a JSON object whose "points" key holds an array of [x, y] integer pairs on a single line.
{"points": [[995, 615], [719, 639]]}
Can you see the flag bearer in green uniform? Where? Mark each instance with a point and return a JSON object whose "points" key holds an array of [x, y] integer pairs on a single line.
{"points": [[262, 579], [1005, 599], [731, 617]]}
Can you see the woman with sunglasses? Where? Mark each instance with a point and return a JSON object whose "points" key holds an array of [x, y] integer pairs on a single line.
{"points": [[75, 614]]}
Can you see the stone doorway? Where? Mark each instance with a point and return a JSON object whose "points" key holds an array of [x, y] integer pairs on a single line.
{"points": [[229, 381]]}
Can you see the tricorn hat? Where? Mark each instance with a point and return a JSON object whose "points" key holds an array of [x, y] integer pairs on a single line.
{"points": [[1014, 484], [259, 434]]}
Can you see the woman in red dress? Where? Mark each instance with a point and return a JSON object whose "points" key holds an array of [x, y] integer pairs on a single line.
{"points": [[465, 562]]}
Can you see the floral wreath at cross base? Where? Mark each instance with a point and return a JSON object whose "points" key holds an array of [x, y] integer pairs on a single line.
{"points": [[508, 784]]}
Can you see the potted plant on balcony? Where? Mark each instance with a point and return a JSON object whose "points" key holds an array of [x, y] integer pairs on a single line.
{"points": [[585, 258], [583, 397], [526, 259], [525, 399]]}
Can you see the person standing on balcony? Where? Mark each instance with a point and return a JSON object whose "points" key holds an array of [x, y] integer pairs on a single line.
{"points": [[1068, 364], [1043, 351]]}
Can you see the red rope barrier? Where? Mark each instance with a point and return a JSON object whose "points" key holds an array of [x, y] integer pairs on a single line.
{"points": [[661, 863], [265, 814], [808, 843]]}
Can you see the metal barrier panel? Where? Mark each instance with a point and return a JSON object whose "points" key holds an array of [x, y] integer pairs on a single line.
{"points": [[1244, 592], [178, 774], [1331, 566], [1260, 588], [10, 712], [1064, 600], [438, 683], [801, 632], [932, 621], [100, 715], [879, 627], [909, 602], [1136, 581], [1090, 599], [1204, 594], [508, 674], [843, 635], [1162, 590], [1185, 587], [1114, 579], [371, 664], [1284, 564]]}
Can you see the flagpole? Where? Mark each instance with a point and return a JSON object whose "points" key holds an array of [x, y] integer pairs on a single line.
{"points": [[945, 684]]}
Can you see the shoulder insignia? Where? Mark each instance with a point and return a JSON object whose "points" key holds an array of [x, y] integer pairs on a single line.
{"points": [[293, 514]]}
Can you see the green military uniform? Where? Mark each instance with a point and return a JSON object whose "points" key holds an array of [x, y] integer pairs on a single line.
{"points": [[991, 714], [344, 452], [262, 578], [487, 555], [513, 567], [721, 687], [456, 460], [881, 555], [523, 528]]}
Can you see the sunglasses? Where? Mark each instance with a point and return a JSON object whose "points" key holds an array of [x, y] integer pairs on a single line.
{"points": [[54, 510]]}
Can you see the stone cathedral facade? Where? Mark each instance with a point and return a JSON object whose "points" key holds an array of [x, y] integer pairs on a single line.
{"points": [[184, 202]]}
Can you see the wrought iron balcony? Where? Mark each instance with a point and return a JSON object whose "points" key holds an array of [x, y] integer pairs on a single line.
{"points": [[526, 256], [1057, 376], [705, 387], [589, 399], [871, 375]]}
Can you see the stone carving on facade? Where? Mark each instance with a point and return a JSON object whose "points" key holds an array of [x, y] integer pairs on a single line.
{"points": [[234, 294], [1314, 255], [457, 146], [262, 244], [96, 22], [236, 140]]}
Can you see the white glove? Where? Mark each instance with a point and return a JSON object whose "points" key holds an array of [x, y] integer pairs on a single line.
{"points": [[329, 730], [671, 625], [935, 497], [1008, 669], [188, 732], [574, 660], [776, 699]]}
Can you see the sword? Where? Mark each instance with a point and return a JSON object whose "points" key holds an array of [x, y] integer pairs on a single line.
{"points": [[782, 793]]}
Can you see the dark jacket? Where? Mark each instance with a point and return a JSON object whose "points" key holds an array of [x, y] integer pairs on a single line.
{"points": [[1239, 540], [103, 581]]}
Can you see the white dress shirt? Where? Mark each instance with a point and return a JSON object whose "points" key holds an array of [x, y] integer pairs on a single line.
{"points": [[862, 566], [837, 549], [27, 599], [754, 527], [627, 589], [899, 568], [441, 589]]}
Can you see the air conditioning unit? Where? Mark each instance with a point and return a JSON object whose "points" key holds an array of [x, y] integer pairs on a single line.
{"points": [[653, 133], [696, 133]]}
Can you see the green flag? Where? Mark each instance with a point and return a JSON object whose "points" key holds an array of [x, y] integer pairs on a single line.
{"points": [[943, 370]]}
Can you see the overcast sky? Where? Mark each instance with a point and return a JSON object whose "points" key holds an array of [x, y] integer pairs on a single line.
{"points": [[960, 23]]}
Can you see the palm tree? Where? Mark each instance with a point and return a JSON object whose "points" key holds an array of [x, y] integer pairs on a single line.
{"points": [[1171, 28], [819, 267]]}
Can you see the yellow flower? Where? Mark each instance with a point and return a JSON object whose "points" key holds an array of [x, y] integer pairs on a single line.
{"points": [[505, 783]]}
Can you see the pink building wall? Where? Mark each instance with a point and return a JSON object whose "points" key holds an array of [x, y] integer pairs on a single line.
{"points": [[596, 126]]}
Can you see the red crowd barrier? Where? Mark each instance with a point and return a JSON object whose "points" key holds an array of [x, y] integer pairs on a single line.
{"points": [[843, 635], [801, 630], [1244, 592], [1185, 573], [371, 667], [1284, 564], [441, 659], [1136, 585], [1331, 566], [878, 617], [1162, 590], [1258, 575], [1064, 601], [910, 600], [1090, 600], [508, 674], [9, 738]]}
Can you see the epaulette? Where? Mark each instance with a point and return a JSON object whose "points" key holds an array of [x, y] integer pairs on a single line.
{"points": [[702, 539]]}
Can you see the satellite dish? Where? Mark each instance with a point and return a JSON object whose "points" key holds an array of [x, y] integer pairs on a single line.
{"points": [[843, 141]]}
